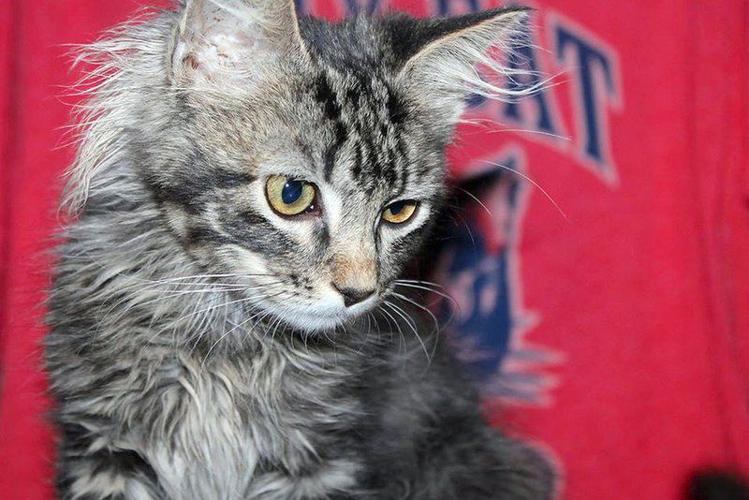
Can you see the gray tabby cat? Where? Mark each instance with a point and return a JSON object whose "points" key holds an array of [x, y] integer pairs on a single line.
{"points": [[248, 188]]}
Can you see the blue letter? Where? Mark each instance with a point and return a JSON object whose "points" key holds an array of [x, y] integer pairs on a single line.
{"points": [[586, 58]]}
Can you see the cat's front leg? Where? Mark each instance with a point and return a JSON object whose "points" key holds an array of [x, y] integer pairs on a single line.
{"points": [[90, 468]]}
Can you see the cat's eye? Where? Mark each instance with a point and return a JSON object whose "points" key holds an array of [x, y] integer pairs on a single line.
{"points": [[289, 197], [400, 211]]}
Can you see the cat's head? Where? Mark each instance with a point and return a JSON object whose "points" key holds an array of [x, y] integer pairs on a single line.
{"points": [[306, 159]]}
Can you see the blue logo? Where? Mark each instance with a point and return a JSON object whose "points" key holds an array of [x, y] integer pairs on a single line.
{"points": [[479, 267]]}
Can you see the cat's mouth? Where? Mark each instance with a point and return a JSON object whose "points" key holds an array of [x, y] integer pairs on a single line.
{"points": [[322, 317], [311, 321]]}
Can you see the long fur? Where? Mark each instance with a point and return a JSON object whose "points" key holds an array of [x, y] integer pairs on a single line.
{"points": [[197, 349]]}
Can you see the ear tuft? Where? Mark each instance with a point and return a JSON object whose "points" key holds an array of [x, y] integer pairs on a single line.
{"points": [[447, 54]]}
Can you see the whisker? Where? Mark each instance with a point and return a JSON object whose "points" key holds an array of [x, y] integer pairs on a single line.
{"points": [[421, 282], [426, 310], [536, 184], [400, 331], [160, 297], [194, 276], [419, 287], [203, 318], [476, 200], [241, 300], [409, 321], [423, 308], [210, 350]]}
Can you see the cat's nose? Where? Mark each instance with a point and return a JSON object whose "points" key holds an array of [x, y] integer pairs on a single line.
{"points": [[353, 296]]}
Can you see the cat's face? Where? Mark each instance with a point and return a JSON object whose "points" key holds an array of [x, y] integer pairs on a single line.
{"points": [[318, 194], [311, 176]]}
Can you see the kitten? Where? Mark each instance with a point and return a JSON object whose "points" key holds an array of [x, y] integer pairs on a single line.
{"points": [[223, 316]]}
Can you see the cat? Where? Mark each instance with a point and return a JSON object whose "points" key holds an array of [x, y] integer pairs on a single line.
{"points": [[226, 316]]}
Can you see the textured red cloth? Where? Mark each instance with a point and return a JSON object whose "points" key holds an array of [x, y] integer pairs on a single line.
{"points": [[622, 343]]}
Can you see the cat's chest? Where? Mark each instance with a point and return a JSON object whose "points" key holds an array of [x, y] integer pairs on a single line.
{"points": [[237, 433]]}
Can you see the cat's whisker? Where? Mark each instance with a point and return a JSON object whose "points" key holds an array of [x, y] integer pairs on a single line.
{"points": [[203, 316], [279, 321], [218, 341], [397, 326], [431, 290], [435, 300], [409, 321], [534, 183], [430, 313], [421, 282], [251, 298], [423, 308], [173, 294], [198, 276], [379, 330], [177, 292], [208, 284], [369, 326], [471, 195], [366, 335], [467, 228]]}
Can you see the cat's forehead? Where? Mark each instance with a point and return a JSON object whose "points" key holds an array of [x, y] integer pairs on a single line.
{"points": [[342, 119], [359, 43], [362, 135], [362, 130]]}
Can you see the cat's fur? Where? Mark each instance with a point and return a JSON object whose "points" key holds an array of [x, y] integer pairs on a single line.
{"points": [[198, 349]]}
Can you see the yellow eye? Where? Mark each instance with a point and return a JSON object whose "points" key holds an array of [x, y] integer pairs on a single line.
{"points": [[290, 196], [400, 211]]}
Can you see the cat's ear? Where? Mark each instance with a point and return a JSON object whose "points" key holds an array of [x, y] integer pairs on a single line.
{"points": [[220, 43], [440, 58]]}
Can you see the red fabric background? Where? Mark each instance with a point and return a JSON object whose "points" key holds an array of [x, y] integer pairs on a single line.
{"points": [[643, 290]]}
